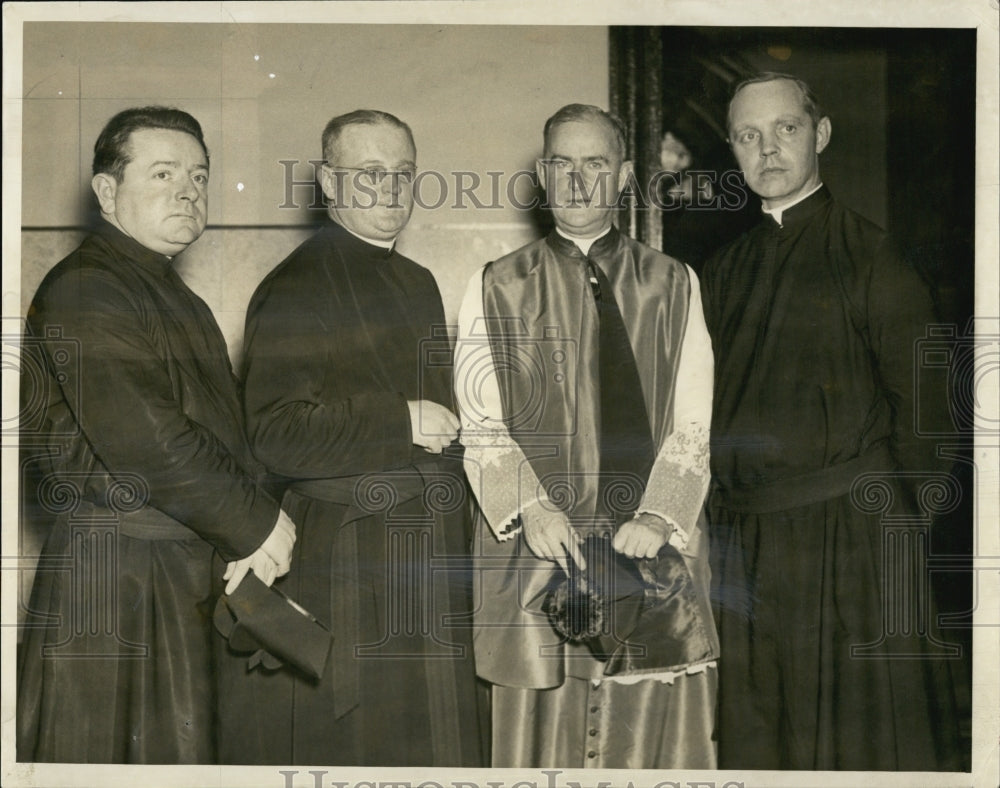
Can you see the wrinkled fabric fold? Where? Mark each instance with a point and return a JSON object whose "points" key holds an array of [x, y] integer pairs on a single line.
{"points": [[816, 322], [138, 465], [536, 306], [157, 709], [542, 324], [339, 338], [797, 697], [585, 723]]}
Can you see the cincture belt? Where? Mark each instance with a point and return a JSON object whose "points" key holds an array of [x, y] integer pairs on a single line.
{"points": [[345, 604], [145, 523], [405, 483], [806, 488]]}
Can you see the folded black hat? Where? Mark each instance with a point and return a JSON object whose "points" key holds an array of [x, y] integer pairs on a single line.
{"points": [[598, 605], [262, 620], [636, 615]]}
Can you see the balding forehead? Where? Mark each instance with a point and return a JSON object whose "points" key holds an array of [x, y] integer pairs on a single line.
{"points": [[617, 143], [764, 85], [365, 126]]}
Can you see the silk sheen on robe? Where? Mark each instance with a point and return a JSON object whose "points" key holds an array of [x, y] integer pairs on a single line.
{"points": [[551, 706], [537, 304]]}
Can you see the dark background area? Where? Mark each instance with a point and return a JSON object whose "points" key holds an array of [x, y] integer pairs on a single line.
{"points": [[902, 106]]}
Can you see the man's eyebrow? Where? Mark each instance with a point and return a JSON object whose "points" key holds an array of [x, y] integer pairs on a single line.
{"points": [[554, 156], [378, 164], [177, 164]]}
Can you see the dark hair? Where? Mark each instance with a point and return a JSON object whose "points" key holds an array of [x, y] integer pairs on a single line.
{"points": [[111, 151], [360, 117], [576, 113], [809, 100]]}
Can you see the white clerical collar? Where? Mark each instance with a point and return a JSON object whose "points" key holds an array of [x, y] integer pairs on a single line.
{"points": [[775, 213], [372, 241], [583, 243]]}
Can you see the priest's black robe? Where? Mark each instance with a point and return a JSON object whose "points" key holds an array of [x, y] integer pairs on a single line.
{"points": [[815, 323], [132, 428], [339, 337]]}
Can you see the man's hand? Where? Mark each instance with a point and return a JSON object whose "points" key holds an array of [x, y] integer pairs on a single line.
{"points": [[433, 426], [280, 542], [642, 536], [549, 535], [269, 561]]}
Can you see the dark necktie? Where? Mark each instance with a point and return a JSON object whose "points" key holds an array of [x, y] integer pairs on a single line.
{"points": [[627, 451]]}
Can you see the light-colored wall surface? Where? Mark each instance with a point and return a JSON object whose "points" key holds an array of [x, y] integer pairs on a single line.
{"points": [[475, 96]]}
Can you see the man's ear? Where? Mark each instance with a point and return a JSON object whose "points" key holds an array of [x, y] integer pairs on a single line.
{"points": [[328, 182], [105, 187], [823, 132], [540, 170], [624, 175]]}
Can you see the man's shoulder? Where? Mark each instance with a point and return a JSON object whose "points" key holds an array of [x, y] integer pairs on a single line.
{"points": [[750, 237], [88, 272], [657, 275], [862, 252], [517, 263], [302, 256], [298, 269], [732, 252], [94, 253], [858, 227], [327, 243], [650, 259], [412, 268]]}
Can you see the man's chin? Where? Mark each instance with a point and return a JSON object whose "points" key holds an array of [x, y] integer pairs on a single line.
{"points": [[180, 241], [188, 236], [579, 223], [770, 185], [392, 224]]}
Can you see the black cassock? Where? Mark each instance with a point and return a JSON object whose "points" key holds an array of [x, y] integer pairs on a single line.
{"points": [[132, 430], [814, 324], [339, 337]]}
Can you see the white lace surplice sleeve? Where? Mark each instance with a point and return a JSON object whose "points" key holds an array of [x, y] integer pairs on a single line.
{"points": [[500, 475], [680, 475]]}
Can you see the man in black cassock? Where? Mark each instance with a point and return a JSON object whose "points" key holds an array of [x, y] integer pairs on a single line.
{"points": [[343, 403], [142, 465], [814, 321]]}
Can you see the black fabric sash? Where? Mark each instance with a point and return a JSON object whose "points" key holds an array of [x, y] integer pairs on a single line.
{"points": [[145, 523], [804, 489], [371, 500], [626, 443]]}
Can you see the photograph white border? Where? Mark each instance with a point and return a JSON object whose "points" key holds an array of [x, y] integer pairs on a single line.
{"points": [[980, 14]]}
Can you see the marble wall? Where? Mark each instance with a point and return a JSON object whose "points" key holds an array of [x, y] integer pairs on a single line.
{"points": [[225, 265], [475, 96]]}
